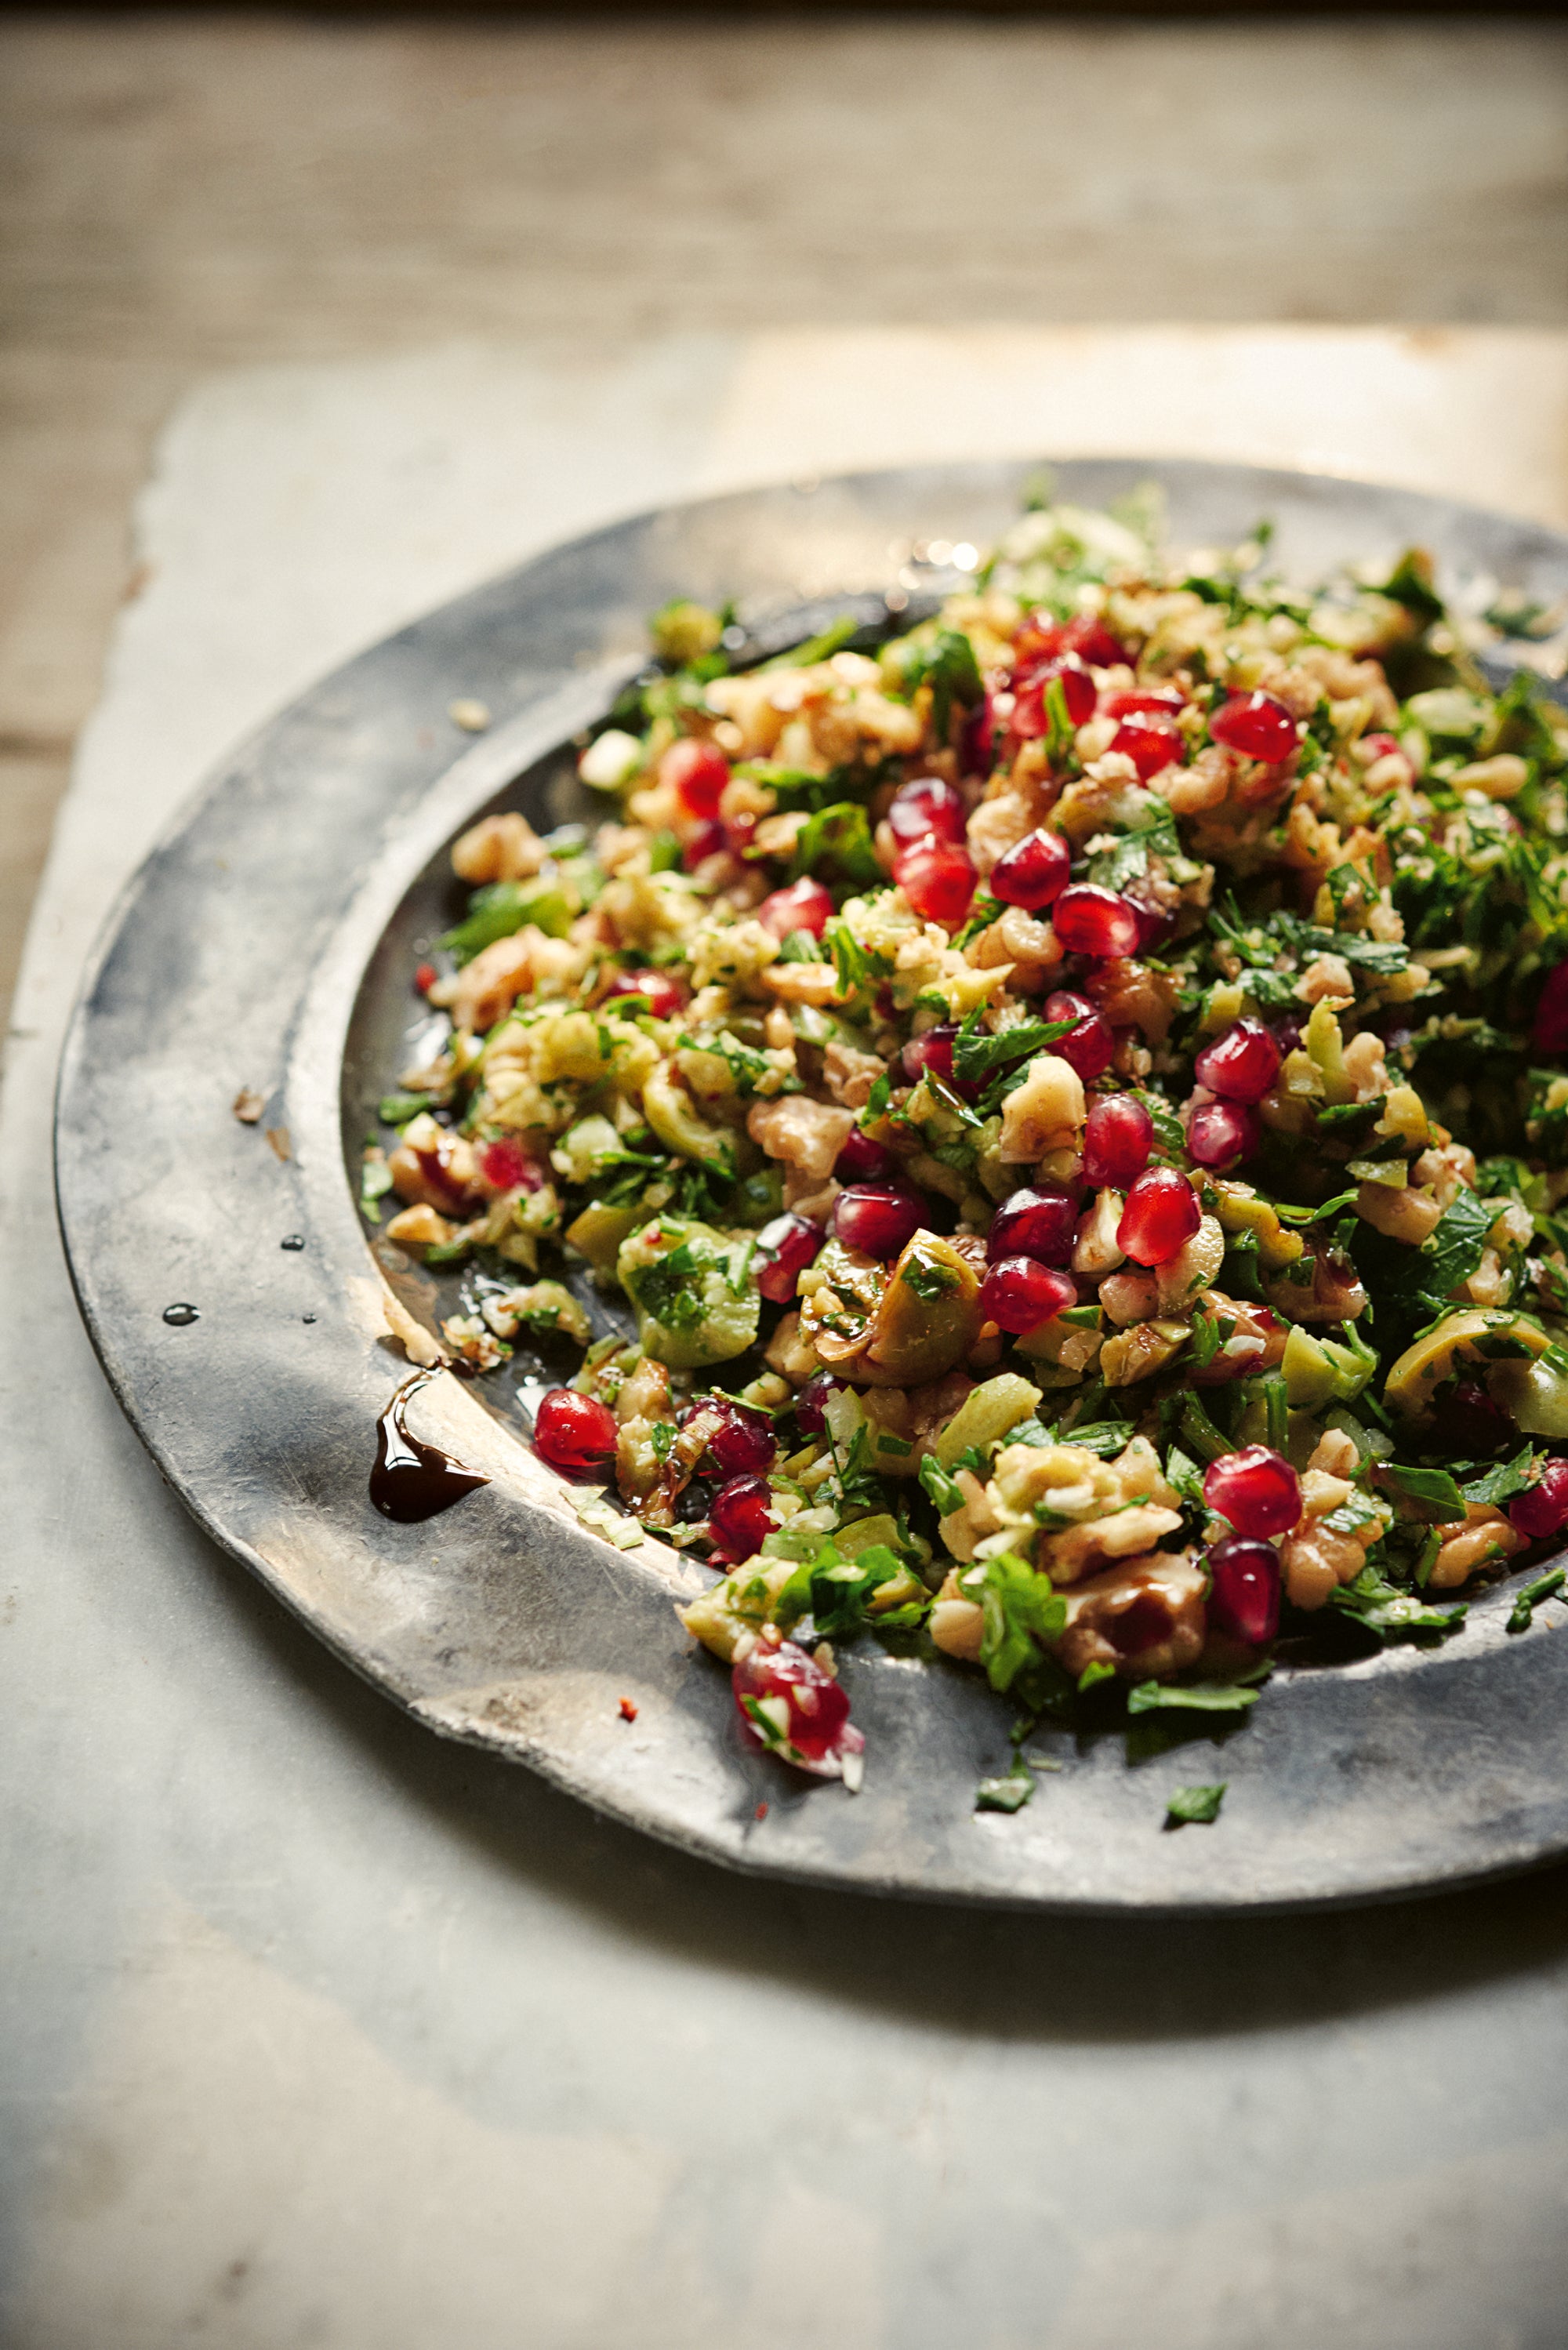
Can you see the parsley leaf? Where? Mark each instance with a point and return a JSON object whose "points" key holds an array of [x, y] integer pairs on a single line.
{"points": [[838, 838], [1195, 1805], [1194, 1697], [1018, 1606], [1530, 1597]]}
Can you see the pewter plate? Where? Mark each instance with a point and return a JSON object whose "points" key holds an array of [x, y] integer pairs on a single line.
{"points": [[268, 943]]}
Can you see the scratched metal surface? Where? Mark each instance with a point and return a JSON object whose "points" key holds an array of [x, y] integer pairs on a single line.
{"points": [[270, 931]]}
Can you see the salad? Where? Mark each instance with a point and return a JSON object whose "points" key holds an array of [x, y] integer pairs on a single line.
{"points": [[1071, 1090]]}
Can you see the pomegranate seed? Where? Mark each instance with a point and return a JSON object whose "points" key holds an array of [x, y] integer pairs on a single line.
{"points": [[708, 840], [1220, 1133], [1095, 921], [1031, 712], [1256, 725], [1381, 746], [1084, 634], [816, 1708], [811, 1403], [1163, 699], [1040, 639], [738, 831], [1091, 640], [1543, 1510], [1548, 1029], [1244, 1589], [1089, 1046], [805, 905], [1257, 1489], [574, 1431], [927, 808], [1040, 1223], [976, 744], [1018, 1292], [1287, 1032], [665, 995], [1150, 742], [861, 1161], [932, 1053], [504, 1165], [1154, 923], [938, 879], [741, 1518], [1241, 1065], [697, 773], [743, 1442], [1117, 1139], [1033, 871], [425, 975], [781, 1254], [1160, 1217], [877, 1219]]}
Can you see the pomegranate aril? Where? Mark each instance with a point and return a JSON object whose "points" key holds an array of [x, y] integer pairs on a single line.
{"points": [[1032, 701], [1241, 1065], [927, 808], [801, 1702], [781, 1252], [811, 1403], [1548, 1029], [1039, 1222], [741, 1517], [697, 774], [938, 879], [932, 1054], [976, 744], [877, 1219], [573, 1431], [1089, 1046], [1222, 1133], [1145, 701], [805, 905], [1160, 1217], [1543, 1509], [708, 840], [1034, 872], [1150, 742], [504, 1165], [861, 1161], [425, 977], [1256, 1489], [932, 1051], [665, 995], [1091, 640], [1095, 921], [744, 1443], [1244, 1589], [1118, 1136], [1019, 1293], [1257, 726]]}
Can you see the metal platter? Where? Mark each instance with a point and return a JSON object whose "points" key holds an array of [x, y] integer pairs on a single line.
{"points": [[267, 945]]}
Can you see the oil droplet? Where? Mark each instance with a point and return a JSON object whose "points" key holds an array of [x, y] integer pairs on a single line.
{"points": [[292, 1241], [410, 1480], [181, 1317]]}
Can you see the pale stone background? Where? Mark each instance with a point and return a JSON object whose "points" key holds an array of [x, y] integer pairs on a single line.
{"points": [[178, 195], [311, 2030]]}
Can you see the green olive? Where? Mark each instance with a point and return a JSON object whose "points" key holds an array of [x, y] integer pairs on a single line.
{"points": [[1491, 1340], [696, 1300], [928, 1319]]}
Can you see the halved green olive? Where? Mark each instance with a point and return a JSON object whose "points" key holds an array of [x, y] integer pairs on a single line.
{"points": [[928, 1319], [1522, 1365]]}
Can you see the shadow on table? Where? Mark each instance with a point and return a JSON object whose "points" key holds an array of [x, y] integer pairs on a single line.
{"points": [[1082, 1977]]}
